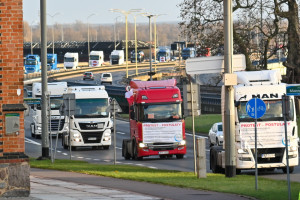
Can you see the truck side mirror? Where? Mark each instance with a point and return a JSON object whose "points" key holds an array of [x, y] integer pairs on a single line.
{"points": [[237, 103], [286, 107], [132, 115]]}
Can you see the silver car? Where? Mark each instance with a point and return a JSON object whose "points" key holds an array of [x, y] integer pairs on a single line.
{"points": [[215, 135]]}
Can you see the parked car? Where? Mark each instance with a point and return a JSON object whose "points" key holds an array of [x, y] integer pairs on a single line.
{"points": [[215, 135], [106, 78], [88, 75]]}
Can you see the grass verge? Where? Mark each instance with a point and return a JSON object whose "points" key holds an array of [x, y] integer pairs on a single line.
{"points": [[241, 184]]}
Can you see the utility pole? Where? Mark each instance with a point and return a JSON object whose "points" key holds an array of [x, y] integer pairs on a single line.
{"points": [[230, 155], [45, 133]]}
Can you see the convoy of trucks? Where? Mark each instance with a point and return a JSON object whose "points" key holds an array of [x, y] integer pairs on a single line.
{"points": [[139, 58], [51, 62], [188, 52], [117, 57], [157, 126], [32, 64], [96, 59], [91, 125], [271, 152], [56, 122], [71, 60]]}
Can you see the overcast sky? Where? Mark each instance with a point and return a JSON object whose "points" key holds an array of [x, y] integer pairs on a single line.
{"points": [[72, 10]]}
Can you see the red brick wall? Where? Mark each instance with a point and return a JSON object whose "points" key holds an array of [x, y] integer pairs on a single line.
{"points": [[11, 72]]}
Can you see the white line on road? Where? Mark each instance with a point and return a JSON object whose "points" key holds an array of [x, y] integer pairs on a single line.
{"points": [[80, 157], [65, 154], [32, 142], [196, 135], [121, 133], [96, 159]]}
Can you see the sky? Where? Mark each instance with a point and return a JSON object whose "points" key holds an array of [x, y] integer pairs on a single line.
{"points": [[69, 11]]}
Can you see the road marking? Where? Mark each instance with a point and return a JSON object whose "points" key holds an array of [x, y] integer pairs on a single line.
{"points": [[65, 154], [32, 142], [80, 157], [88, 158], [106, 160], [198, 136], [118, 148], [152, 167], [121, 133], [96, 159], [140, 164], [58, 151]]}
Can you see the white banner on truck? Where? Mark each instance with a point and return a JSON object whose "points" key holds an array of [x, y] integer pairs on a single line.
{"points": [[269, 134], [162, 132]]}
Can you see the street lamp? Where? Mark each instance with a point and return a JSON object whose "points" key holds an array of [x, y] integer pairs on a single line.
{"points": [[125, 13], [31, 49], [150, 38], [115, 31], [52, 16], [87, 19], [155, 38]]}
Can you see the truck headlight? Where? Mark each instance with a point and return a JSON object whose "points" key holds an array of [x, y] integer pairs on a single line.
{"points": [[242, 151], [142, 145], [182, 143], [76, 135], [39, 128]]}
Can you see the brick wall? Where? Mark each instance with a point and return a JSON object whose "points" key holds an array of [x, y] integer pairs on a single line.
{"points": [[11, 79]]}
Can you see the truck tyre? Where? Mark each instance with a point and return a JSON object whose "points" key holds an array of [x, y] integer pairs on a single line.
{"points": [[125, 153], [106, 147], [213, 161], [135, 152], [32, 129], [73, 148], [291, 169], [179, 156], [63, 142]]}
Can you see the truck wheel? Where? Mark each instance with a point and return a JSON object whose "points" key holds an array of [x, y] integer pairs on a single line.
{"points": [[179, 156], [73, 148], [135, 153], [32, 129], [106, 147], [125, 153], [213, 161], [291, 169], [63, 142]]}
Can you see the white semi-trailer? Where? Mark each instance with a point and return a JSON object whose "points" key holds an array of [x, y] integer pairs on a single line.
{"points": [[271, 152], [56, 122], [91, 124]]}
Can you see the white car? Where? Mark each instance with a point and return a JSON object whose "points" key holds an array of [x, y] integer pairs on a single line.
{"points": [[215, 135], [106, 78]]}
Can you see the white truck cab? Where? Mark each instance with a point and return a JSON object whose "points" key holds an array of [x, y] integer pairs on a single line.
{"points": [[96, 59], [117, 57], [91, 125], [71, 60], [56, 122]]}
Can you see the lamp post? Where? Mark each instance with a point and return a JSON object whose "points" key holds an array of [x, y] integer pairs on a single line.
{"points": [[87, 19], [52, 16], [125, 13], [31, 49], [115, 31], [155, 38]]}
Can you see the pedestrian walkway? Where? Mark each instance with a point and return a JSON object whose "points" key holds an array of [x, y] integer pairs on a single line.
{"points": [[54, 185]]}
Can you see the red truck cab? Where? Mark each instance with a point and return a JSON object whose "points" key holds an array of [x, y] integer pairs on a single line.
{"points": [[157, 126]]}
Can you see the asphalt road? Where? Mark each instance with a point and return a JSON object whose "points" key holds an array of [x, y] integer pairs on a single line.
{"points": [[33, 147]]}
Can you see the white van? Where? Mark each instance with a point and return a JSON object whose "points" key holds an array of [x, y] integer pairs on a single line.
{"points": [[71, 60], [96, 59], [117, 57]]}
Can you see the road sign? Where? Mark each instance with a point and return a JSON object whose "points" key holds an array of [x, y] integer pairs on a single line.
{"points": [[293, 89], [32, 100], [255, 108], [114, 106]]}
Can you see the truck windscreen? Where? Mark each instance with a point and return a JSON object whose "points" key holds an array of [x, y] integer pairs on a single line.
{"points": [[69, 59], [30, 62], [273, 111], [91, 107], [94, 57], [160, 112]]}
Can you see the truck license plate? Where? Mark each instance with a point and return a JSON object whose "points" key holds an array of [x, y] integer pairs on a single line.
{"points": [[163, 152], [270, 155], [92, 138]]}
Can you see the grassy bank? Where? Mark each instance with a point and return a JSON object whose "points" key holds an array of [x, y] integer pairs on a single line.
{"points": [[241, 184]]}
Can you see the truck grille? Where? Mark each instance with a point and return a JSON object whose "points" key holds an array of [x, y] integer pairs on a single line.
{"points": [[54, 124], [91, 137], [162, 146], [91, 126], [277, 151]]}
